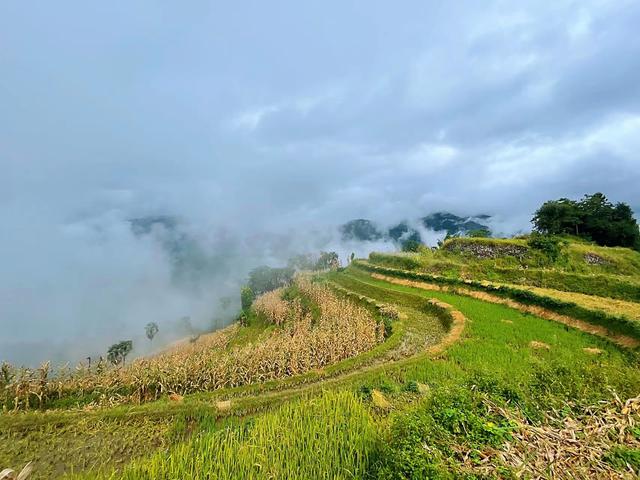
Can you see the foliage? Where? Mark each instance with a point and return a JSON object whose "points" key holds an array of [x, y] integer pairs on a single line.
{"points": [[618, 324], [411, 245], [264, 279], [151, 330], [118, 352], [273, 307], [455, 430], [449, 422], [405, 262], [550, 245], [304, 261], [594, 217], [512, 261], [480, 233], [246, 298], [288, 443], [328, 260], [621, 457]]}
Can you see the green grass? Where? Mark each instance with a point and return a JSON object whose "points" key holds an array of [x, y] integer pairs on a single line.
{"points": [[618, 277], [83, 444], [328, 437], [299, 429], [494, 360], [255, 329], [620, 324]]}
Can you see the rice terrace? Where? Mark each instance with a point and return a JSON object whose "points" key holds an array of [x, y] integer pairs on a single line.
{"points": [[475, 359], [336, 240]]}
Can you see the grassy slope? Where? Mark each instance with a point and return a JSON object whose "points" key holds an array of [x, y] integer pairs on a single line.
{"points": [[419, 326], [495, 359], [607, 305], [618, 278]]}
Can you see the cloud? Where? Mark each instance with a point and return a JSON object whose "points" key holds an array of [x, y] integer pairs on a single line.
{"points": [[263, 125]]}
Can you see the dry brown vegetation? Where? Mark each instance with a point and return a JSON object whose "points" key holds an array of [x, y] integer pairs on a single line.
{"points": [[271, 305], [301, 343], [569, 447]]}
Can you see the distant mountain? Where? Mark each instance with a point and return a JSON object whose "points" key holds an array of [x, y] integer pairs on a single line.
{"points": [[453, 224], [190, 263], [360, 229], [365, 230], [144, 225], [403, 233]]}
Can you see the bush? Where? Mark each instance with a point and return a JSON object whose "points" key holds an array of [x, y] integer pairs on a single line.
{"points": [[550, 245], [423, 443], [411, 246], [264, 279], [246, 298]]}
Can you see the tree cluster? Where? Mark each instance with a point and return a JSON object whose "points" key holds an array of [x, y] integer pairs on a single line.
{"points": [[594, 218], [118, 352]]}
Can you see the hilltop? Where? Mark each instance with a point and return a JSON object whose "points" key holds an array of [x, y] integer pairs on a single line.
{"points": [[365, 230]]}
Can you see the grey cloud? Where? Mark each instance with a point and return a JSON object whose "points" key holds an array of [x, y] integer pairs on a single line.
{"points": [[263, 125]]}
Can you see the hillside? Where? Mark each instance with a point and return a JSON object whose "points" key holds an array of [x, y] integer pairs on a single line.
{"points": [[579, 266], [426, 365], [365, 230]]}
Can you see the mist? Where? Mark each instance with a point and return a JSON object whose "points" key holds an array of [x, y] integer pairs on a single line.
{"points": [[261, 127]]}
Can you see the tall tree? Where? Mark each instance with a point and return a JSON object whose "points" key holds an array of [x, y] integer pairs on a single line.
{"points": [[118, 352], [558, 217], [151, 329], [594, 217]]}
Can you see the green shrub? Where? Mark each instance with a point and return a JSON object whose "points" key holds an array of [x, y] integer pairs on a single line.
{"points": [[550, 245], [423, 442], [411, 246], [246, 298]]}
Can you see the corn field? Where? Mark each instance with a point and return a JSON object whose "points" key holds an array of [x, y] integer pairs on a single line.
{"points": [[300, 344]]}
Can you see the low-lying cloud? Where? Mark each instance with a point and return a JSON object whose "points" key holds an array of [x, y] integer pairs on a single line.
{"points": [[263, 126]]}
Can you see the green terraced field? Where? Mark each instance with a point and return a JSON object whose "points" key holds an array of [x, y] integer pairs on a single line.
{"points": [[401, 410]]}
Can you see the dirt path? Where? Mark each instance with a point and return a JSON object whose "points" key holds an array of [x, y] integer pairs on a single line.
{"points": [[621, 340]]}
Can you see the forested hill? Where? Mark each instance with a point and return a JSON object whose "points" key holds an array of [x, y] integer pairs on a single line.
{"points": [[366, 230]]}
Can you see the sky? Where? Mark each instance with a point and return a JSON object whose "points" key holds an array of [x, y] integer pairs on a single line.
{"points": [[263, 125]]}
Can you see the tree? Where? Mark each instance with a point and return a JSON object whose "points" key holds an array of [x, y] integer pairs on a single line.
{"points": [[594, 218], [328, 260], [410, 246], [558, 217], [151, 329], [265, 279], [246, 298], [480, 233], [118, 352], [303, 261], [550, 245]]}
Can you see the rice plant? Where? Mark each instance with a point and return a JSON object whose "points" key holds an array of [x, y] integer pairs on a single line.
{"points": [[288, 443]]}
